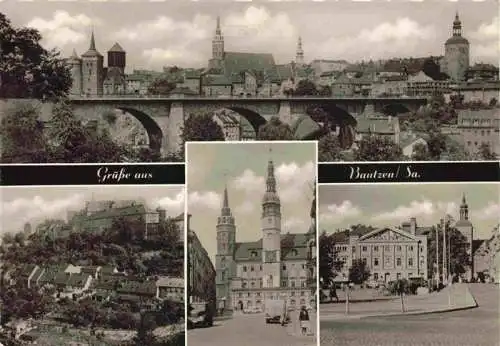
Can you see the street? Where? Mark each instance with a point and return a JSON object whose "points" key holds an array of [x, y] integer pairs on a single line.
{"points": [[250, 330], [474, 327]]}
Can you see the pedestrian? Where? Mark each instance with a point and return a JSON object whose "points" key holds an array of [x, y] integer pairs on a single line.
{"points": [[304, 320], [333, 293]]}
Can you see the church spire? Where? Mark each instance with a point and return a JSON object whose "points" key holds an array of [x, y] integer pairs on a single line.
{"points": [[457, 26], [271, 180], [464, 209], [299, 58], [225, 211], [217, 29], [92, 41]]}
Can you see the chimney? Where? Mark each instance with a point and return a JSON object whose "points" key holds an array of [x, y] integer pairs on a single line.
{"points": [[413, 225]]}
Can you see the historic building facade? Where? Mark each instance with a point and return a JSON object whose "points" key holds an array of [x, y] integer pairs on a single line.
{"points": [[201, 272], [89, 75], [478, 127], [457, 53], [390, 253], [273, 267]]}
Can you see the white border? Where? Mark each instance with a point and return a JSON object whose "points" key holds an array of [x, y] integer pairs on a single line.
{"points": [[295, 142]]}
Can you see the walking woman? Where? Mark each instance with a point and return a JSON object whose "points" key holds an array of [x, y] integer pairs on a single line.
{"points": [[304, 320]]}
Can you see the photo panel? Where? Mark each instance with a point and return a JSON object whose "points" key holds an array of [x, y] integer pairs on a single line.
{"points": [[252, 264], [409, 264], [411, 82], [91, 264]]}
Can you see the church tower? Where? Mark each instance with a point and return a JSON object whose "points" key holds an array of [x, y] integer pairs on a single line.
{"points": [[456, 53], [75, 64], [299, 57], [224, 259], [271, 231], [217, 48], [92, 70], [464, 226]]}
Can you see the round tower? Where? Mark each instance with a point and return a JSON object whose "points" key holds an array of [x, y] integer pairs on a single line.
{"points": [[75, 64], [457, 52]]}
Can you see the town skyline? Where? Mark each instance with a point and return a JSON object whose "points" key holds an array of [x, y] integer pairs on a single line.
{"points": [[245, 168], [34, 205], [183, 36], [343, 206]]}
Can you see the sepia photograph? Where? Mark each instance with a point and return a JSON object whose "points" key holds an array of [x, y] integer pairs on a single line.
{"points": [[88, 265], [251, 276], [409, 264], [372, 81]]}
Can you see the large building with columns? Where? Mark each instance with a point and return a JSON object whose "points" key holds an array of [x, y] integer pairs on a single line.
{"points": [[270, 268]]}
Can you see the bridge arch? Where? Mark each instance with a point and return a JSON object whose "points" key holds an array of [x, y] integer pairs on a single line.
{"points": [[254, 118], [333, 117], [394, 109], [155, 134]]}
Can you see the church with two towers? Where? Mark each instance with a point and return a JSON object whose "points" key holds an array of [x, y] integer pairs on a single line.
{"points": [[270, 268]]}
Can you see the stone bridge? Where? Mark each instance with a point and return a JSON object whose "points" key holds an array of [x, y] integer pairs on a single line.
{"points": [[163, 117]]}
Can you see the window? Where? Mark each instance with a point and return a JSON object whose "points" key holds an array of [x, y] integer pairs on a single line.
{"points": [[375, 262], [252, 284], [375, 276], [223, 276], [387, 260], [293, 283], [261, 267], [364, 248], [243, 284], [302, 293], [398, 248], [398, 261], [410, 247], [364, 260], [353, 249], [410, 262], [387, 247], [303, 266], [248, 294], [398, 276], [251, 268], [284, 266], [375, 248], [244, 268], [283, 283]]}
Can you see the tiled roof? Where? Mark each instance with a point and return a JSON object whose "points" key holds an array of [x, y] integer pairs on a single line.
{"points": [[77, 280], [137, 287], [118, 212], [284, 71], [192, 74], [61, 278], [304, 126], [108, 282], [116, 48], [217, 80], [107, 270], [236, 62], [27, 269], [252, 251], [407, 140], [170, 282]]}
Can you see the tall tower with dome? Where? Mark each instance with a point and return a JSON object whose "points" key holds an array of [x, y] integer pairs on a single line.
{"points": [[456, 53]]}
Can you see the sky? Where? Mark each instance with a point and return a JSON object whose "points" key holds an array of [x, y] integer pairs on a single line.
{"points": [[35, 204], [157, 33], [382, 205], [242, 167]]}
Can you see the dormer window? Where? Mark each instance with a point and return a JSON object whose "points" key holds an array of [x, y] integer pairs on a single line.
{"points": [[253, 254], [294, 252]]}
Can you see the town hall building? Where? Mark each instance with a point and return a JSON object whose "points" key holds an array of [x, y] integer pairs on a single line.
{"points": [[270, 268]]}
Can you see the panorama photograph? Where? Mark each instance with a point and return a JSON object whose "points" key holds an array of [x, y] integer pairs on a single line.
{"points": [[372, 81]]}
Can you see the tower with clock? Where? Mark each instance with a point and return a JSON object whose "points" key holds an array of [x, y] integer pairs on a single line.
{"points": [[224, 260], [456, 55], [271, 231]]}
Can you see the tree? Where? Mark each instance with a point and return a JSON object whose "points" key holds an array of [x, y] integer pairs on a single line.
{"points": [[329, 149], [27, 70], [493, 102], [145, 330], [376, 148], [22, 135], [329, 263], [420, 153], [201, 127], [485, 152], [305, 87], [161, 86], [454, 151], [436, 145], [359, 272], [275, 130]]}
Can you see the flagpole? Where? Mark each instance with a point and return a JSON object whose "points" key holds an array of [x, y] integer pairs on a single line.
{"points": [[445, 266], [438, 279]]}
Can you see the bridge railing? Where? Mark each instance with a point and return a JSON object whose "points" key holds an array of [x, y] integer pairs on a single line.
{"points": [[206, 97]]}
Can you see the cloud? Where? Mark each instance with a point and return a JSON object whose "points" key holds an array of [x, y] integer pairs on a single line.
{"points": [[402, 37], [246, 207], [295, 225], [173, 205], [336, 213], [420, 209], [249, 182], [295, 181], [491, 211], [486, 40], [16, 213], [63, 28], [204, 199]]}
